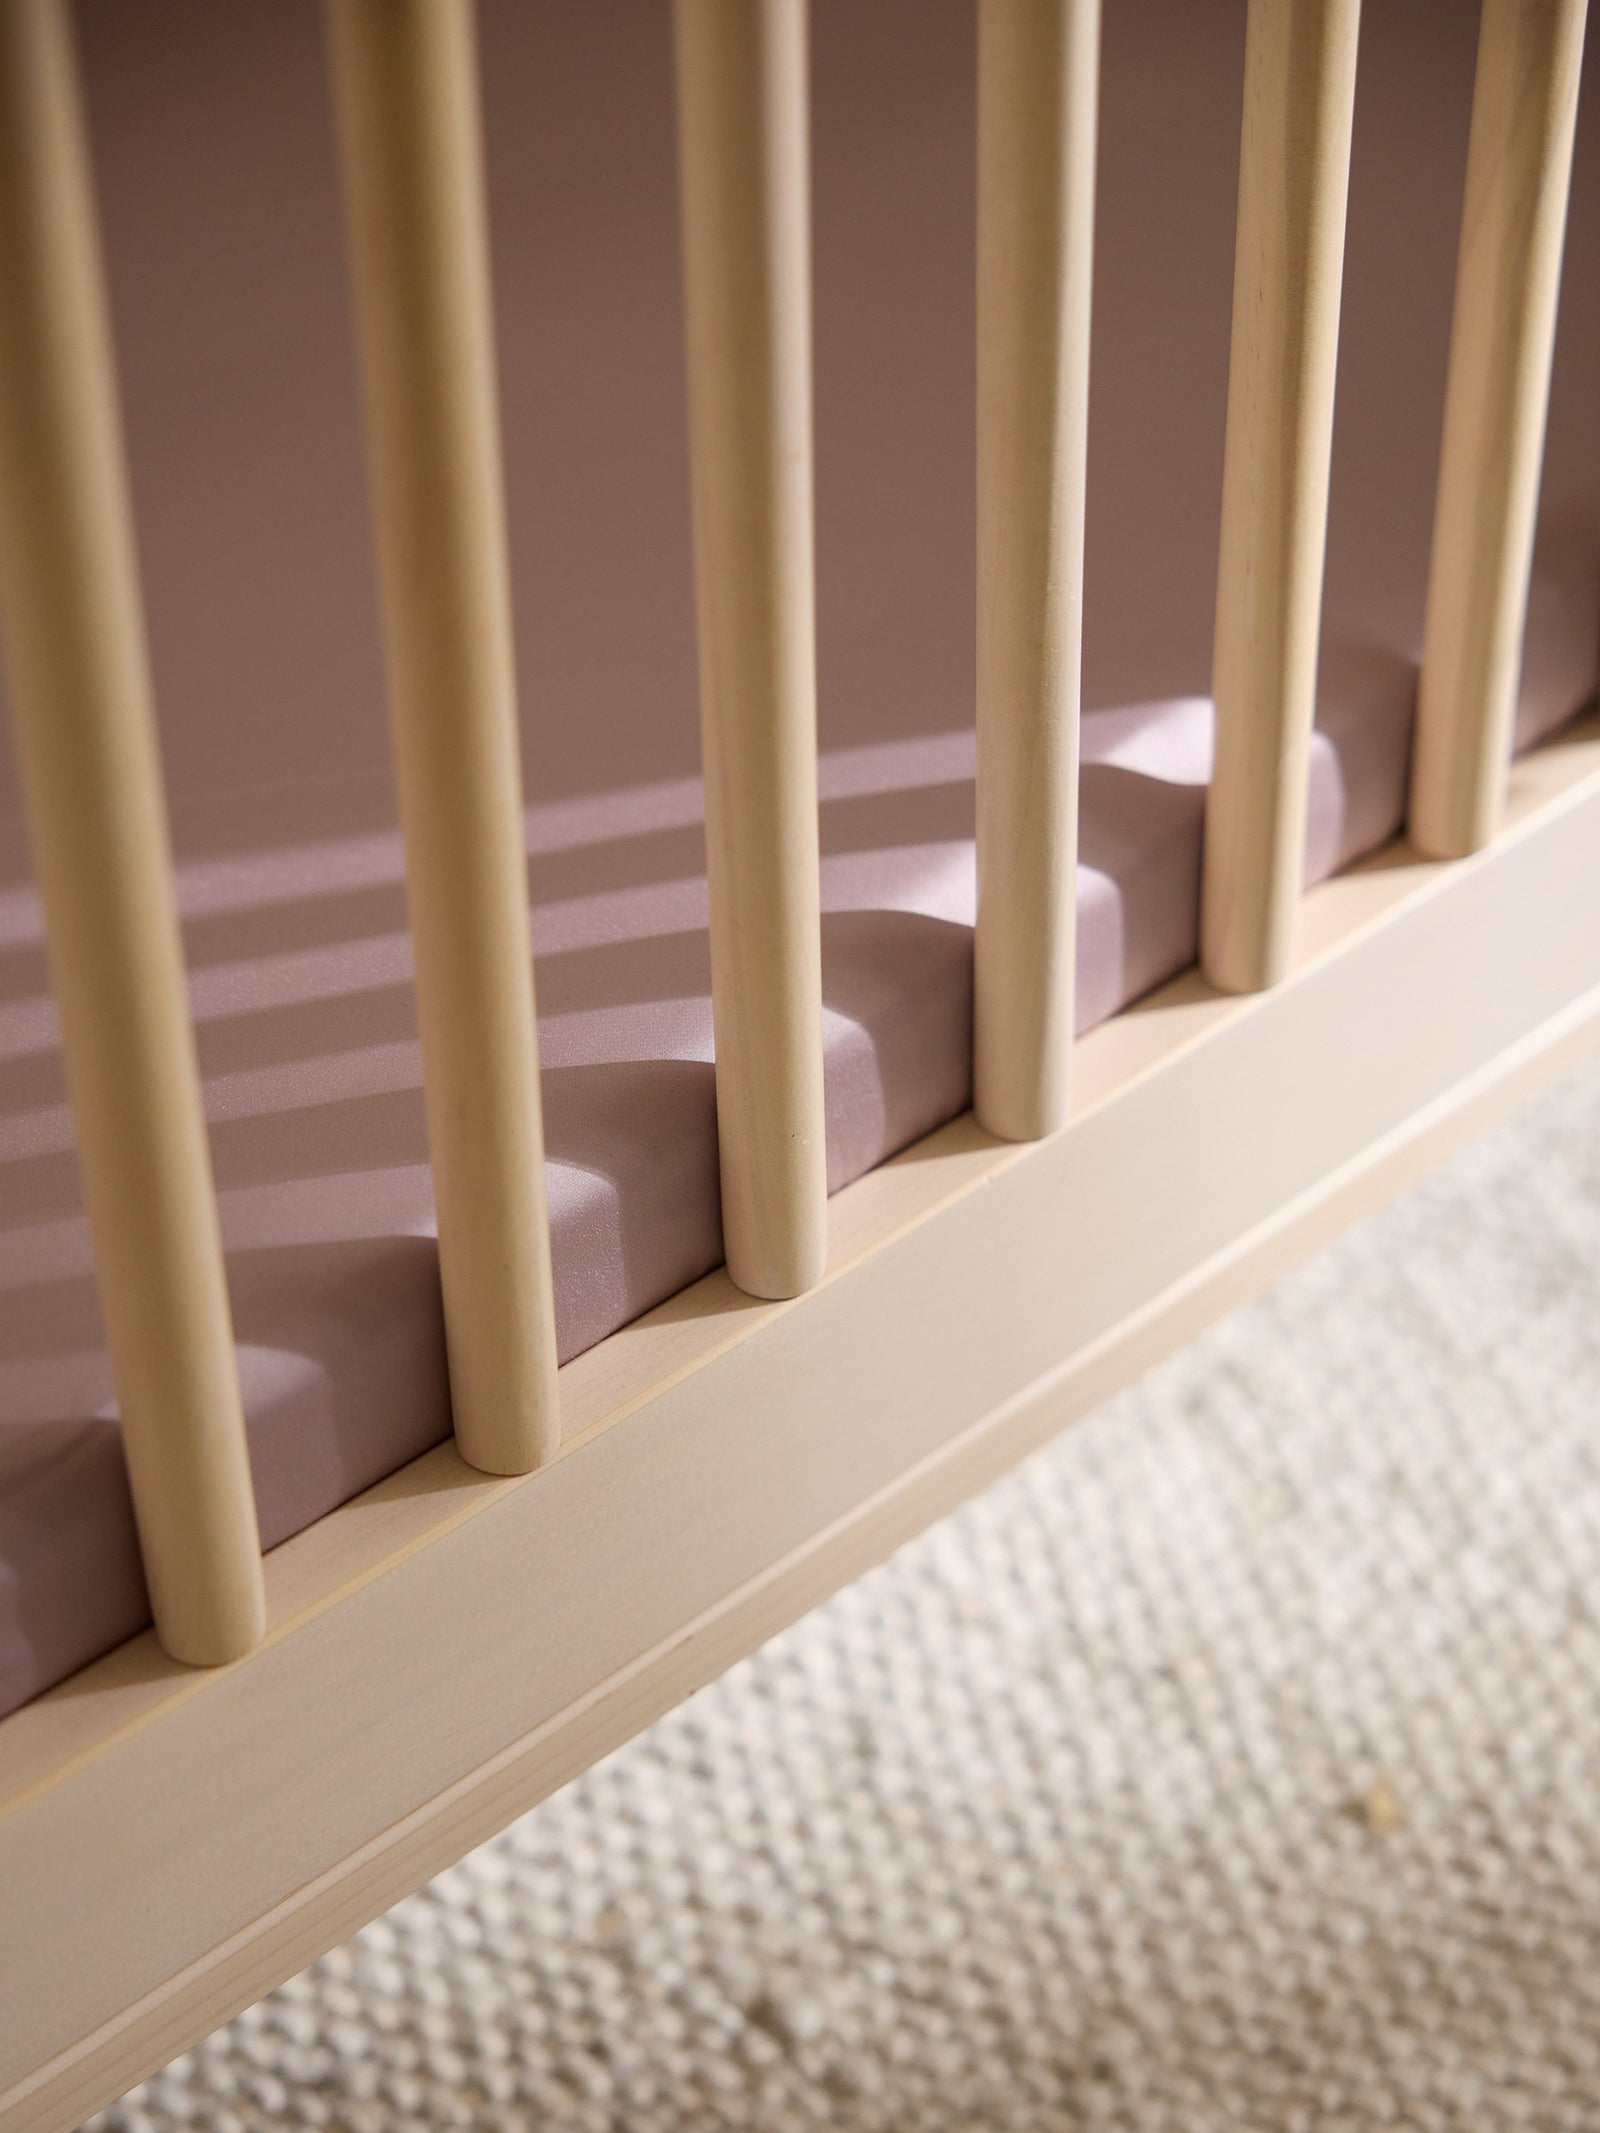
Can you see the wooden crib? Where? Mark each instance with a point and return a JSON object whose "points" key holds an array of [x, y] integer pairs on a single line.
{"points": [[305, 1737]]}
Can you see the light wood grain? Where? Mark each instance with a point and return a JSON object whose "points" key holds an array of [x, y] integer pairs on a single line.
{"points": [[1038, 71], [1508, 274], [84, 723], [741, 72], [1294, 163], [709, 1497], [683, 1337], [406, 99]]}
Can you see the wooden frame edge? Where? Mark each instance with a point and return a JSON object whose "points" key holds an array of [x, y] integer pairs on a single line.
{"points": [[1519, 1001], [324, 1913]]}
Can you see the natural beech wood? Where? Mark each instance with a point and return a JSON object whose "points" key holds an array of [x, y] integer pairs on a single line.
{"points": [[741, 71], [406, 99], [85, 730], [728, 1462], [1038, 67], [1519, 169], [1294, 163]]}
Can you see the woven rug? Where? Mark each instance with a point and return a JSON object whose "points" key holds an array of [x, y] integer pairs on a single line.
{"points": [[1235, 1765]]}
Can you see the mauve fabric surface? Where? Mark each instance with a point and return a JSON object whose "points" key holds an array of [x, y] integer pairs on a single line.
{"points": [[223, 233]]}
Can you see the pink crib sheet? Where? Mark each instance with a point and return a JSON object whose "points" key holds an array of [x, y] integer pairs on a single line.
{"points": [[224, 242]]}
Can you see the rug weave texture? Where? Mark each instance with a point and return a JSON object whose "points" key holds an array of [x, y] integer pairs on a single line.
{"points": [[1233, 1766]]}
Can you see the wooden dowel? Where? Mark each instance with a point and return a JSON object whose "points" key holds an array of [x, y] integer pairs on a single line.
{"points": [[1294, 164], [741, 69], [82, 713], [1508, 272], [1038, 68], [406, 105]]}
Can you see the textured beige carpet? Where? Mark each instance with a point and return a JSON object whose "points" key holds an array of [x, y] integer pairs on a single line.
{"points": [[1234, 1766]]}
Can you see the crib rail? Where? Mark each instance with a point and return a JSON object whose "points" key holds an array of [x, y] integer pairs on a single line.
{"points": [[1038, 79], [746, 270], [81, 710], [406, 106], [1294, 166], [1519, 173]]}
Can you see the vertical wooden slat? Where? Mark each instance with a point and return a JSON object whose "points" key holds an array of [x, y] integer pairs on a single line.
{"points": [[741, 69], [1508, 272], [84, 721], [1038, 67], [1294, 163], [406, 102]]}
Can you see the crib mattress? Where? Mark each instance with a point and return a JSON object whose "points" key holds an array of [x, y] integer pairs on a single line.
{"points": [[212, 140]]}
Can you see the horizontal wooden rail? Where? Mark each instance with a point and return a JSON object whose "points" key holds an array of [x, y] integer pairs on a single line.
{"points": [[1519, 169], [741, 70], [1038, 69], [82, 713], [1294, 165], [406, 101], [728, 1468]]}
